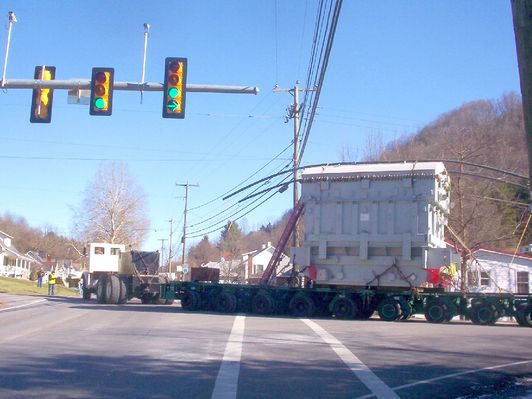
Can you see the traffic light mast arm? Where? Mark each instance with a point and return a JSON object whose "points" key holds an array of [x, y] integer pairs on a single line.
{"points": [[85, 84]]}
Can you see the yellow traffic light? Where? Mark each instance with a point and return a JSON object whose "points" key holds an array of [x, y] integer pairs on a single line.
{"points": [[42, 99], [174, 87], [101, 102]]}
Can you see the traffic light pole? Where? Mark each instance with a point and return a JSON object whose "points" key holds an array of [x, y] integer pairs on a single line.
{"points": [[85, 84]]}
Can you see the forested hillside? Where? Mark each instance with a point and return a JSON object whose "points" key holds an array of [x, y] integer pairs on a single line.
{"points": [[45, 241], [485, 213]]}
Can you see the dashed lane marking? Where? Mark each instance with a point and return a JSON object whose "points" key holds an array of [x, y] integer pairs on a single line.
{"points": [[378, 388], [227, 380]]}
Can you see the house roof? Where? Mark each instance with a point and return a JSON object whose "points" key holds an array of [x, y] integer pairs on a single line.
{"points": [[5, 234], [504, 253]]}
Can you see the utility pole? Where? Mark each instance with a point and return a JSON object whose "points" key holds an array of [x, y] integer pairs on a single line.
{"points": [[162, 252], [183, 239], [522, 16], [171, 221], [293, 112]]}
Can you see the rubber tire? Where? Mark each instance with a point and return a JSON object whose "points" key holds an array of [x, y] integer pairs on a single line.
{"points": [[86, 290], [191, 300], [436, 311], [100, 289], [112, 290], [302, 306], [344, 308], [225, 302], [122, 298], [389, 309], [484, 314], [524, 315], [262, 304]]}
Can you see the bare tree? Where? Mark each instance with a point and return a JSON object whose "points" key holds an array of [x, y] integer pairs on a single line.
{"points": [[113, 208]]}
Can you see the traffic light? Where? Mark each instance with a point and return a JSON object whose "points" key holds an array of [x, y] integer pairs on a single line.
{"points": [[41, 100], [174, 87], [102, 81]]}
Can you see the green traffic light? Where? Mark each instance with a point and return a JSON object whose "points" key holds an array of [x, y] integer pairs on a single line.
{"points": [[99, 103], [173, 92]]}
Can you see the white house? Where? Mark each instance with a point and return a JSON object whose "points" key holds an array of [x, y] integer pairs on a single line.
{"points": [[256, 262], [499, 271], [12, 262]]}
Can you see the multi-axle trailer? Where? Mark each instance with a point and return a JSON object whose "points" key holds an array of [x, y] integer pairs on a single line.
{"points": [[350, 303], [373, 242]]}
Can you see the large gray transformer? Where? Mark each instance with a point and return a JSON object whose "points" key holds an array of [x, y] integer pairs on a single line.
{"points": [[374, 225]]}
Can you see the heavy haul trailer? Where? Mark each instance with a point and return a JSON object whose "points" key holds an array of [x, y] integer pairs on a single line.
{"points": [[373, 242], [116, 276]]}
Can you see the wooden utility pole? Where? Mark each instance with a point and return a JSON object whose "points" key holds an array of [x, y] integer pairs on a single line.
{"points": [[294, 113], [162, 253], [522, 16], [183, 239]]}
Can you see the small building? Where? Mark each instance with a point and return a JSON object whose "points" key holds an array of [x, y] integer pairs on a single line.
{"points": [[499, 271], [256, 262], [12, 262]]}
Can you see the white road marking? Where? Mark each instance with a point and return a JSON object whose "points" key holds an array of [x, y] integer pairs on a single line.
{"points": [[443, 377], [368, 378], [21, 306], [227, 381]]}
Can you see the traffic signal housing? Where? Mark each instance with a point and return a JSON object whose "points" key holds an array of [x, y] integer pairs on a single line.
{"points": [[102, 81], [174, 87], [42, 98]]}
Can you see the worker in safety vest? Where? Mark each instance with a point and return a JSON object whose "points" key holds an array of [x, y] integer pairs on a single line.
{"points": [[51, 283]]}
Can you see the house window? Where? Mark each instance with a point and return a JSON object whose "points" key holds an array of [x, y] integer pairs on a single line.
{"points": [[99, 250], [523, 286], [115, 251], [484, 279], [259, 269]]}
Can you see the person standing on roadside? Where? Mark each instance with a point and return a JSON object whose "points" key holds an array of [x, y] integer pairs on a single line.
{"points": [[51, 283], [40, 275]]}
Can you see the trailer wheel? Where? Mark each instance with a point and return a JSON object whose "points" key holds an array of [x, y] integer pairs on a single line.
{"points": [[389, 309], [112, 289], [191, 300], [100, 289], [436, 311], [302, 306], [344, 308], [524, 315], [262, 304], [484, 314], [122, 298], [225, 302]]}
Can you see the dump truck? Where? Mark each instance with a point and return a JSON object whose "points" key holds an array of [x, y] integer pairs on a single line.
{"points": [[373, 244]]}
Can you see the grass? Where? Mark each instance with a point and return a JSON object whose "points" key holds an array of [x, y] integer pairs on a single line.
{"points": [[26, 287]]}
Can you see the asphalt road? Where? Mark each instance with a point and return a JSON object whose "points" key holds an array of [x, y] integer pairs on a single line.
{"points": [[67, 348]]}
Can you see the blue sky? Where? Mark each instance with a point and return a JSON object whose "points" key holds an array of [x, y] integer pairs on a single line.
{"points": [[395, 66]]}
